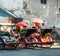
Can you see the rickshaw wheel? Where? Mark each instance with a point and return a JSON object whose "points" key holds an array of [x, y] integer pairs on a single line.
{"points": [[2, 44], [22, 44]]}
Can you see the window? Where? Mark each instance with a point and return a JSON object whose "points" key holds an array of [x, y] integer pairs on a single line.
{"points": [[59, 9], [44, 1]]}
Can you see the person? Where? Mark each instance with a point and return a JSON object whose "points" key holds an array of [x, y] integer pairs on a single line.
{"points": [[32, 38], [54, 33], [47, 37], [15, 34]]}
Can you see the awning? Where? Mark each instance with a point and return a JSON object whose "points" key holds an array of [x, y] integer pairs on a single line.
{"points": [[7, 24]]}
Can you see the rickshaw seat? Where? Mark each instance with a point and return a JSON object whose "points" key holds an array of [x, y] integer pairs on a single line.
{"points": [[45, 42]]}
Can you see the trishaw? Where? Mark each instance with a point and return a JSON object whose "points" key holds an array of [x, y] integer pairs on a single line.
{"points": [[25, 40], [7, 41], [28, 38], [47, 42]]}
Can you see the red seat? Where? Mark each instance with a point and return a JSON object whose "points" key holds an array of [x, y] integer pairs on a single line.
{"points": [[45, 42]]}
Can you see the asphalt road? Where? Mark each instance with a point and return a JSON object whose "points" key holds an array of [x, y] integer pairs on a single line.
{"points": [[30, 52]]}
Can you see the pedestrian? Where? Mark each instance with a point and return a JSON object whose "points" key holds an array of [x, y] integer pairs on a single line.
{"points": [[54, 33]]}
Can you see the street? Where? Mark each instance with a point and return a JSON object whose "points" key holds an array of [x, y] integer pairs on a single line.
{"points": [[30, 52]]}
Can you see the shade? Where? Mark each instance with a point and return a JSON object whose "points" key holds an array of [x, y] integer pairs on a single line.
{"points": [[37, 20], [21, 24]]}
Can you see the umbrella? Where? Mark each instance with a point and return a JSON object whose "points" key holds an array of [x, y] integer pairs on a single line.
{"points": [[21, 24], [26, 21], [37, 20]]}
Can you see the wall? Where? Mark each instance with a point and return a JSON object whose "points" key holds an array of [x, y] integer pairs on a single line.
{"points": [[47, 12]]}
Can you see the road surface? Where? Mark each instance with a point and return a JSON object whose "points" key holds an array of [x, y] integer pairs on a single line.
{"points": [[30, 52]]}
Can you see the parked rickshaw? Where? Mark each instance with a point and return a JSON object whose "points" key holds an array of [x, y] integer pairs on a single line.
{"points": [[7, 41], [26, 39], [45, 38]]}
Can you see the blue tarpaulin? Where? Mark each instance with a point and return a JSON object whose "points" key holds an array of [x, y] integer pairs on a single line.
{"points": [[5, 14]]}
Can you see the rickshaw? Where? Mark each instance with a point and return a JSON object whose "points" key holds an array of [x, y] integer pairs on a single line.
{"points": [[27, 41], [7, 41], [47, 42]]}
